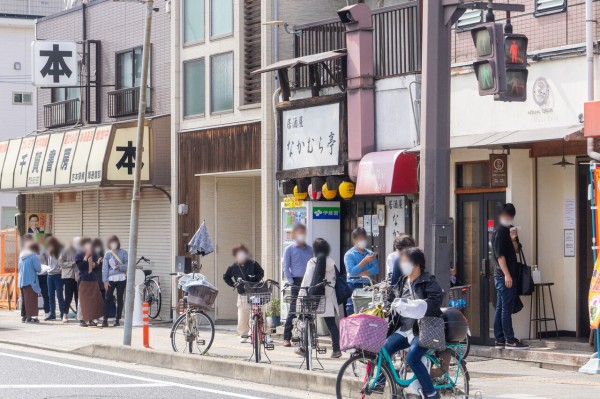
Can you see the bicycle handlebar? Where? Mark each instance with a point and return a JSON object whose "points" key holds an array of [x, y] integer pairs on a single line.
{"points": [[324, 282], [143, 258], [257, 284]]}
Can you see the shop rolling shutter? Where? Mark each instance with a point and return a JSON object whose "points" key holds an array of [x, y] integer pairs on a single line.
{"points": [[90, 214], [154, 240], [67, 216]]}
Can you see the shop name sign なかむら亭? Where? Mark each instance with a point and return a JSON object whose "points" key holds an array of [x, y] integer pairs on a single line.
{"points": [[310, 137], [55, 64]]}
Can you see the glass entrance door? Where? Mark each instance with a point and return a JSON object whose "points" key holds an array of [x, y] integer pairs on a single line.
{"points": [[476, 216]]}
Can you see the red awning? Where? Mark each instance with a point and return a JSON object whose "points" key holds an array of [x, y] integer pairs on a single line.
{"points": [[387, 172]]}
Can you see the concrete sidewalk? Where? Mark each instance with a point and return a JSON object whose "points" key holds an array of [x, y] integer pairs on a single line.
{"points": [[228, 358]]}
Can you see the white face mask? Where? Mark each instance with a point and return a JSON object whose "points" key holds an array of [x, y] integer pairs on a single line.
{"points": [[407, 268], [241, 257], [505, 222], [362, 244], [114, 246], [300, 239], [87, 247]]}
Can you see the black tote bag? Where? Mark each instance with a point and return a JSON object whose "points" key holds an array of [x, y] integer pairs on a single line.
{"points": [[525, 284]]}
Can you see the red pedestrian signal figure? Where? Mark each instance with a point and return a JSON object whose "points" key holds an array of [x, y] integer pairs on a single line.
{"points": [[514, 52]]}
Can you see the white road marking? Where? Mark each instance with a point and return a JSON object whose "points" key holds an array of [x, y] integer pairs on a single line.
{"points": [[63, 386], [150, 380]]}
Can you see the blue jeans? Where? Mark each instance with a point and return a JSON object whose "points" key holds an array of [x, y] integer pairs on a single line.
{"points": [[397, 342], [55, 290], [505, 303]]}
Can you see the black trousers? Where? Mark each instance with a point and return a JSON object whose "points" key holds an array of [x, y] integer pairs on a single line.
{"points": [[334, 331], [287, 330], [44, 286], [113, 286], [71, 292]]}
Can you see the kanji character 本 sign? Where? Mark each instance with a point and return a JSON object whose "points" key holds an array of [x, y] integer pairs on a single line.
{"points": [[122, 158], [55, 64], [311, 137]]}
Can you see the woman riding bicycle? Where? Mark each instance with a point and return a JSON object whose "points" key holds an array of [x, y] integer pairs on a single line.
{"points": [[322, 267], [420, 296]]}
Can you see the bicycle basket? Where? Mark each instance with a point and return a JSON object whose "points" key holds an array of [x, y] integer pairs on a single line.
{"points": [[310, 304], [202, 296], [363, 332], [459, 297]]}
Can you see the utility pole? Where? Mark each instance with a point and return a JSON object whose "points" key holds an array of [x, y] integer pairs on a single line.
{"points": [[135, 199]]}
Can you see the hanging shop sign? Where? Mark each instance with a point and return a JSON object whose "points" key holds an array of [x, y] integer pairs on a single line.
{"points": [[498, 170], [312, 137], [326, 213], [92, 155], [55, 64]]}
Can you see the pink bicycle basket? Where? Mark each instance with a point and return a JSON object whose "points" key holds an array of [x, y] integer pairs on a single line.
{"points": [[363, 332]]}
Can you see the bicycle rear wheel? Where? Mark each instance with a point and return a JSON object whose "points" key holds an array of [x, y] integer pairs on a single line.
{"points": [[153, 296], [356, 375], [458, 375]]}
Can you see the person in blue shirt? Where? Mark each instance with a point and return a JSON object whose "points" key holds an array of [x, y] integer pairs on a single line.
{"points": [[360, 262], [295, 259]]}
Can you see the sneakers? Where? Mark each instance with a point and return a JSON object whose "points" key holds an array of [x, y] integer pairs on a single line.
{"points": [[500, 344], [65, 319], [300, 351], [287, 343], [434, 396], [117, 324], [49, 317], [336, 354], [82, 324], [243, 340], [516, 345], [268, 339], [105, 323], [23, 319], [92, 324]]}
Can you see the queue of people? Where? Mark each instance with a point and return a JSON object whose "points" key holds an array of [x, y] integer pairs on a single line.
{"points": [[80, 272]]}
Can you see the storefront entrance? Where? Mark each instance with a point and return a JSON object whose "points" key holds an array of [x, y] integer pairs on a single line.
{"points": [[476, 214]]}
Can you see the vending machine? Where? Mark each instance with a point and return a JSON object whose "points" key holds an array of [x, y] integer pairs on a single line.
{"points": [[322, 220]]}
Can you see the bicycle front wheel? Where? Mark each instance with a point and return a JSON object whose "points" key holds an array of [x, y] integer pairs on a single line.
{"points": [[205, 332], [256, 338], [308, 344], [181, 335], [153, 296], [355, 379]]}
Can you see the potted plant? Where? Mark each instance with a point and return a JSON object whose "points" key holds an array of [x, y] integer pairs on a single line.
{"points": [[273, 313]]}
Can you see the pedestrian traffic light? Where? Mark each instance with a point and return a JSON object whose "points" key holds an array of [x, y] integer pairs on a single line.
{"points": [[515, 49], [490, 67]]}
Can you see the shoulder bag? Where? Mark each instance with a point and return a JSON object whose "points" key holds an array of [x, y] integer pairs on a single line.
{"points": [[525, 283], [432, 332], [342, 289]]}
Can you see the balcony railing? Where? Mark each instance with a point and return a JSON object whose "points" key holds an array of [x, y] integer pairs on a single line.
{"points": [[125, 102], [62, 113], [396, 43]]}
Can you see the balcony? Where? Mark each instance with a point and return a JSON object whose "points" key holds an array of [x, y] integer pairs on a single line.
{"points": [[125, 102], [396, 44], [62, 113]]}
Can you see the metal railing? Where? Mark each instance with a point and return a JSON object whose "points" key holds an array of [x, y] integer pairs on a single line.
{"points": [[396, 43], [125, 102], [62, 113]]}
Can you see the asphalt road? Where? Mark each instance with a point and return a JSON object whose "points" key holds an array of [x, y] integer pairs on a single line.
{"points": [[34, 374]]}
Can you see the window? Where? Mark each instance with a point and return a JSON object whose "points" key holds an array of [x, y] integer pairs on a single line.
{"points": [[252, 43], [193, 87], [22, 98], [469, 19], [193, 21], [129, 68], [473, 174], [65, 93], [545, 7], [221, 18], [221, 82]]}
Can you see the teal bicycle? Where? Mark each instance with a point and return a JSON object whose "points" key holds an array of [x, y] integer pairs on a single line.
{"points": [[384, 376]]}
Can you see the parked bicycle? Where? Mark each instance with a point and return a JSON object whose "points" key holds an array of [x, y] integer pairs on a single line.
{"points": [[151, 291], [194, 327], [307, 307], [259, 296], [459, 298]]}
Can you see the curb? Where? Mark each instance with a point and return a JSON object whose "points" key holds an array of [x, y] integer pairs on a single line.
{"points": [[284, 377], [35, 346]]}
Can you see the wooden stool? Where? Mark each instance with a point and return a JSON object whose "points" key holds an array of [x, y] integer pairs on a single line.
{"points": [[540, 307]]}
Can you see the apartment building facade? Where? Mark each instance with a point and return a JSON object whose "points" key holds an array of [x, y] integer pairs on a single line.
{"points": [[74, 174]]}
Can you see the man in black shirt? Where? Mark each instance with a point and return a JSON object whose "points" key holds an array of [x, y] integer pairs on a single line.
{"points": [[505, 245]]}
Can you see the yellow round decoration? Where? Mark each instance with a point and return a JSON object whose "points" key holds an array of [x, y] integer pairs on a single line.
{"points": [[299, 196], [327, 193], [346, 190]]}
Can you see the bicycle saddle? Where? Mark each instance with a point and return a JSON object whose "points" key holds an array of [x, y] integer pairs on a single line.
{"points": [[147, 272]]}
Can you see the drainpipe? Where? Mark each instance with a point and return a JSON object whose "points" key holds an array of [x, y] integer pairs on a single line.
{"points": [[359, 83], [589, 53]]}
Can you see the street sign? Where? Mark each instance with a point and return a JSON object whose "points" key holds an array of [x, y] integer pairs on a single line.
{"points": [[55, 64], [490, 65]]}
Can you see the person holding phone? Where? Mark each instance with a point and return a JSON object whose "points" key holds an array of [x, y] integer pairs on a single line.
{"points": [[505, 245], [359, 262], [90, 298]]}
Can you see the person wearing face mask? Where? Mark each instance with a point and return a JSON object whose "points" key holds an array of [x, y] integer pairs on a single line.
{"points": [[66, 260], [295, 259], [43, 274], [29, 267], [419, 296], [98, 249], [114, 276], [55, 284], [505, 246], [359, 262], [401, 242], [91, 303], [248, 270]]}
